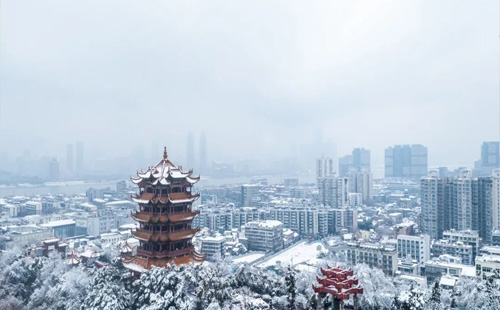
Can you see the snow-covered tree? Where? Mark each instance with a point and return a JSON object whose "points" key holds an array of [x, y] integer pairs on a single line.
{"points": [[291, 289], [106, 291]]}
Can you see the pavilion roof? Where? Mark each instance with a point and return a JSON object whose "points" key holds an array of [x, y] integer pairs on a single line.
{"points": [[164, 173]]}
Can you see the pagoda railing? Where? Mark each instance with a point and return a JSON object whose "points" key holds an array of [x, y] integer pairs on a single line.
{"points": [[165, 253]]}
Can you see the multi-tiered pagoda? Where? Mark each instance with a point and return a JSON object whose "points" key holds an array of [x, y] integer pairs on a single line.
{"points": [[165, 216]]}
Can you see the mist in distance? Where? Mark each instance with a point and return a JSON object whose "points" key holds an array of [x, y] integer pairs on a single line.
{"points": [[269, 84]]}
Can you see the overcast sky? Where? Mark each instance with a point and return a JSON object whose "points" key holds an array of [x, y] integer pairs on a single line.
{"points": [[257, 76]]}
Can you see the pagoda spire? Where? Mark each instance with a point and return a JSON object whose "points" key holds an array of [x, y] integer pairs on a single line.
{"points": [[165, 155]]}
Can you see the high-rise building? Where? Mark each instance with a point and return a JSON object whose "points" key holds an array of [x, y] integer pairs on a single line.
{"points": [[203, 153], [406, 161], [431, 212], [79, 157], [357, 161], [490, 157], [54, 172], [345, 165], [482, 207], [250, 195], [333, 191], [460, 203], [361, 159], [190, 159], [362, 182], [495, 200], [324, 167], [69, 157]]}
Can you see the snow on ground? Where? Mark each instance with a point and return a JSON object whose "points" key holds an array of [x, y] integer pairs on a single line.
{"points": [[249, 258], [297, 254]]}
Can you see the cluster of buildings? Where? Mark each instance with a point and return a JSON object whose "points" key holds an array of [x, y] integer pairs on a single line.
{"points": [[423, 226]]}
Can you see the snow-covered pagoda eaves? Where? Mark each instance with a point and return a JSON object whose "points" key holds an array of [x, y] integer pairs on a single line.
{"points": [[165, 217]]}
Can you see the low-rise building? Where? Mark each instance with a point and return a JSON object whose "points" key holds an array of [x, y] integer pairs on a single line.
{"points": [[264, 235], [213, 247], [374, 255], [446, 264], [414, 247], [487, 265], [62, 228], [457, 249]]}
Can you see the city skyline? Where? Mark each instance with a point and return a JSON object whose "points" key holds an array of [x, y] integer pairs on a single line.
{"points": [[301, 89]]}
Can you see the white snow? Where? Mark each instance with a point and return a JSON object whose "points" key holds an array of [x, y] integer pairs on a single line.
{"points": [[297, 254], [249, 258]]}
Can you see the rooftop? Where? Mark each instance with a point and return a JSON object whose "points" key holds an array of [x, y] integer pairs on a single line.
{"points": [[59, 223]]}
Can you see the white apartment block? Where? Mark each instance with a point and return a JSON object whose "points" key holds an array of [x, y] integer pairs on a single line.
{"points": [[414, 247], [374, 255], [213, 247], [264, 235]]}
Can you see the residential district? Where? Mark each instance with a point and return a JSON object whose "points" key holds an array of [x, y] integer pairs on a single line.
{"points": [[419, 224]]}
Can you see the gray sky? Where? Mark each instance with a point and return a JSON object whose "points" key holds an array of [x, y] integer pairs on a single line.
{"points": [[257, 76]]}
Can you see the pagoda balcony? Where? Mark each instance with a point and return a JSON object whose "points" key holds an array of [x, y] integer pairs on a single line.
{"points": [[149, 217], [146, 235], [166, 253], [174, 198]]}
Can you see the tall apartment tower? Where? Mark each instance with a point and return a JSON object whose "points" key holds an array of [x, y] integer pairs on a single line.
{"points": [[324, 167], [362, 182], [406, 161], [79, 157], [333, 191], [495, 199], [70, 159], [190, 159], [431, 213], [203, 153], [459, 203]]}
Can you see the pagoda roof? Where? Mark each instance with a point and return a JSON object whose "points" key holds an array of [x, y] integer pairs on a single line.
{"points": [[165, 237], [73, 259], [164, 218], [141, 264], [163, 173], [174, 198], [126, 248]]}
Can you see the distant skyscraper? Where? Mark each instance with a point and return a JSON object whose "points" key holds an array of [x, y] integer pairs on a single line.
{"points": [[70, 157], [359, 160], [53, 169], [406, 161], [190, 160], [79, 157], [490, 158], [203, 153], [345, 165]]}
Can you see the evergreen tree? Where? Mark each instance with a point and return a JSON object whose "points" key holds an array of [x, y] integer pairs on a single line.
{"points": [[436, 293], [290, 283], [396, 304]]}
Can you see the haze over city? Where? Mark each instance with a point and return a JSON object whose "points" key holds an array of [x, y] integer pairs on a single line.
{"points": [[263, 80]]}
